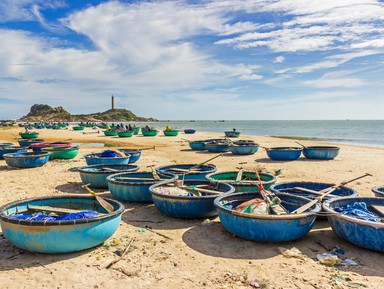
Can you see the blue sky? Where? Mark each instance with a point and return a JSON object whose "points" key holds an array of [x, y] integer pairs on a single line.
{"points": [[228, 59]]}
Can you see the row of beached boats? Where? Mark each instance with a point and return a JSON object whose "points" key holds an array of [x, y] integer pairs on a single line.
{"points": [[250, 204], [249, 147]]}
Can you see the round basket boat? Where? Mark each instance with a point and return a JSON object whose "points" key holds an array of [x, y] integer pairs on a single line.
{"points": [[187, 171], [218, 146], [37, 147], [27, 142], [193, 205], [11, 150], [363, 233], [4, 145], [134, 153], [266, 228], [232, 133], [29, 135], [189, 131], [145, 132], [78, 127], [248, 182], [62, 152], [127, 133], [96, 159], [284, 153], [244, 148], [96, 175], [378, 191], [134, 186], [110, 133], [170, 132], [136, 130], [27, 159], [321, 152], [59, 236]]}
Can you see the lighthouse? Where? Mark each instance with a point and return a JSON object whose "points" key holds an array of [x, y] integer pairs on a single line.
{"points": [[113, 102]]}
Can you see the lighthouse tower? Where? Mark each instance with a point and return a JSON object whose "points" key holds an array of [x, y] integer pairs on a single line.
{"points": [[113, 102]]}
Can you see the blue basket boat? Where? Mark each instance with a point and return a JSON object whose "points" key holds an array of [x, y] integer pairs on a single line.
{"points": [[284, 153], [27, 159], [248, 181], [134, 187], [362, 233], [266, 228], [232, 133], [189, 131], [378, 191], [11, 150], [218, 146], [96, 159], [244, 147], [62, 236], [199, 145], [186, 171], [189, 206], [27, 142], [135, 154], [4, 145], [321, 152], [96, 175]]}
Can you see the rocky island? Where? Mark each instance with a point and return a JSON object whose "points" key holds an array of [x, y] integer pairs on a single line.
{"points": [[44, 112]]}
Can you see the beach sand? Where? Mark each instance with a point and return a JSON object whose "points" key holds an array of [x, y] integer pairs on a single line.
{"points": [[197, 253]]}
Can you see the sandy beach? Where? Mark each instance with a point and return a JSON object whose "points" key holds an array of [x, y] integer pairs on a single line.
{"points": [[187, 253]]}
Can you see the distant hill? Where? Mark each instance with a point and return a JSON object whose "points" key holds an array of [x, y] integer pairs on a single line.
{"points": [[44, 112]]}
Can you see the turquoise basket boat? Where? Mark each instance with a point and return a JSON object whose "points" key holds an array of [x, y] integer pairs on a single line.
{"points": [[266, 228], [29, 135], [78, 127], [134, 187], [96, 159], [27, 160], [60, 236], [186, 171], [11, 150], [170, 132], [128, 133], [62, 152], [110, 133], [96, 175], [248, 181], [148, 132]]}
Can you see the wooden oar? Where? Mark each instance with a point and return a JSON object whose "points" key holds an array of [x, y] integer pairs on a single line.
{"points": [[52, 209], [212, 192], [151, 148], [240, 172], [198, 165], [309, 191], [107, 206], [301, 144], [278, 209], [264, 148], [109, 169], [325, 193], [154, 173]]}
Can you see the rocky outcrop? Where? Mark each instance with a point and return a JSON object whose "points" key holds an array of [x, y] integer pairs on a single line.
{"points": [[44, 112]]}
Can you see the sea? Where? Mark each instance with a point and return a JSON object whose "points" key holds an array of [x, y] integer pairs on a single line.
{"points": [[353, 132]]}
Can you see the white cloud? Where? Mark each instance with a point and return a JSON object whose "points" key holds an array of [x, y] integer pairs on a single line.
{"points": [[279, 59]]}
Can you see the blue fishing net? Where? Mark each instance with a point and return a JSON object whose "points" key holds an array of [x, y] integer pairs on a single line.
{"points": [[109, 154], [43, 217], [359, 210]]}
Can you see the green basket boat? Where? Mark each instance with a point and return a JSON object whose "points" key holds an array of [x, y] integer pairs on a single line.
{"points": [[110, 133], [62, 152], [78, 127], [128, 133], [103, 126], [148, 132], [136, 130], [170, 132], [29, 135]]}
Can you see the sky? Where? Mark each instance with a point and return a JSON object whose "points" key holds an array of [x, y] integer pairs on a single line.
{"points": [[195, 60]]}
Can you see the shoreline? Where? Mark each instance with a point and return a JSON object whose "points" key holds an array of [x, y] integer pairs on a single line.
{"points": [[199, 253]]}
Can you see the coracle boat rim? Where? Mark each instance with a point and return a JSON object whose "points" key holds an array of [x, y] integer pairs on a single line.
{"points": [[9, 219], [84, 169], [288, 149], [25, 155], [251, 183], [111, 178], [327, 208], [309, 213], [321, 148], [152, 191]]}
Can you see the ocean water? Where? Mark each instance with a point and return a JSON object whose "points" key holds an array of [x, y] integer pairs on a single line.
{"points": [[356, 132]]}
